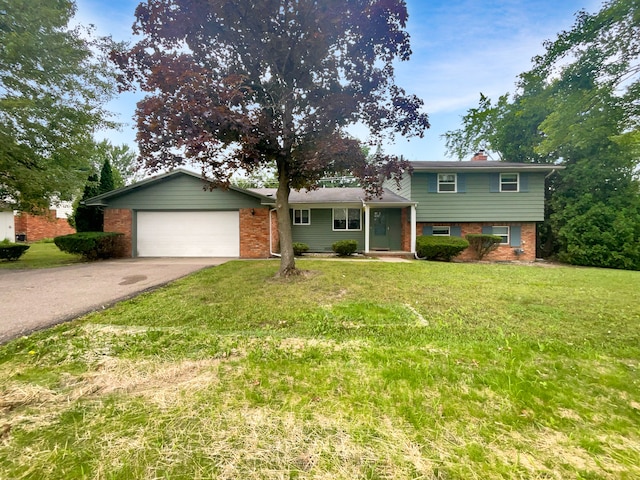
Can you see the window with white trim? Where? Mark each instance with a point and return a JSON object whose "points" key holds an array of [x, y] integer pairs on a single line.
{"points": [[509, 182], [441, 231], [301, 216], [502, 232], [347, 219], [447, 183]]}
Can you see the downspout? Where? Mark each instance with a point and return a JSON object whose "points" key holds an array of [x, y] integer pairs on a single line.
{"points": [[271, 252], [367, 219]]}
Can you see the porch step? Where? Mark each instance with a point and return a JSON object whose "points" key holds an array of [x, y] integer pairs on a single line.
{"points": [[389, 253]]}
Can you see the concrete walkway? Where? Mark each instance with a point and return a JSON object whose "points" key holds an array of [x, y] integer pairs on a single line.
{"points": [[35, 299]]}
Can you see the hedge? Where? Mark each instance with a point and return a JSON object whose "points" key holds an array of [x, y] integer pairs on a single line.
{"points": [[91, 245], [344, 248], [482, 244], [439, 248], [299, 248], [12, 251]]}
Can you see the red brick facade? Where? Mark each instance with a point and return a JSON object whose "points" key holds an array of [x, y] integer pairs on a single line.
{"points": [[120, 220], [406, 229], [39, 227], [254, 232], [257, 224], [503, 252]]}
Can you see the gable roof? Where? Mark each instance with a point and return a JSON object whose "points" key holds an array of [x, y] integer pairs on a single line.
{"points": [[333, 196], [482, 166], [100, 200]]}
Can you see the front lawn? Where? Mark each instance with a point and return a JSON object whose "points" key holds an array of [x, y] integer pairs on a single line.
{"points": [[42, 255], [364, 370]]}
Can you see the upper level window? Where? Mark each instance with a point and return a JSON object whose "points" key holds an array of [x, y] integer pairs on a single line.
{"points": [[301, 216], [447, 182], [441, 231], [346, 219], [509, 182]]}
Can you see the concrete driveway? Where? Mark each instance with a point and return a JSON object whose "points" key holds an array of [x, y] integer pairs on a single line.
{"points": [[35, 299]]}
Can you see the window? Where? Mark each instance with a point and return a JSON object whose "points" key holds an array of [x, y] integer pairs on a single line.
{"points": [[441, 231], [447, 183], [509, 182], [502, 232], [346, 219], [301, 216]]}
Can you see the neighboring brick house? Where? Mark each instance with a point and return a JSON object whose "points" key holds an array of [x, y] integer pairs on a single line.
{"points": [[52, 223], [174, 214]]}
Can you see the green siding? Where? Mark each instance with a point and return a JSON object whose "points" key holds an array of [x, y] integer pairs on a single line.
{"points": [[182, 192], [478, 203], [404, 190], [320, 235]]}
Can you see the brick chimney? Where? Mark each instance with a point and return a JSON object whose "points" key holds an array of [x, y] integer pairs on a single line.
{"points": [[480, 156]]}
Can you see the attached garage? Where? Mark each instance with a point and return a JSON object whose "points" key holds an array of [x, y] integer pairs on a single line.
{"points": [[188, 234], [176, 214]]}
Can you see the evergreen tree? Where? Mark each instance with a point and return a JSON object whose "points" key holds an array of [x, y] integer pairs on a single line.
{"points": [[107, 182], [87, 218]]}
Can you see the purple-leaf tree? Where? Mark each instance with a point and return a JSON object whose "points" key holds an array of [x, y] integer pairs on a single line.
{"points": [[239, 84]]}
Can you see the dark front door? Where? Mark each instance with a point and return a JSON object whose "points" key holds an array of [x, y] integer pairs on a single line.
{"points": [[385, 229]]}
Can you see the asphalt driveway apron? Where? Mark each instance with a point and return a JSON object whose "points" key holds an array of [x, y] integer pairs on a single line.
{"points": [[35, 299]]}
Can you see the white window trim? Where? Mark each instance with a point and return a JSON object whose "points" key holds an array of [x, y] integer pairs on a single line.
{"points": [[455, 183], [493, 227], [346, 209], [510, 183], [448, 234], [301, 210]]}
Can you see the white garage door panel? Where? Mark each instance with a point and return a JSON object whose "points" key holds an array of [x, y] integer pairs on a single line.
{"points": [[188, 234]]}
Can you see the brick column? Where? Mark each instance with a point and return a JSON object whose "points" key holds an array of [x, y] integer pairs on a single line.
{"points": [[120, 220], [254, 233]]}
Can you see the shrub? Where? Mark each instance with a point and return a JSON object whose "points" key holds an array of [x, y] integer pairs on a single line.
{"points": [[482, 244], [12, 251], [344, 248], [299, 248], [91, 245], [439, 248]]}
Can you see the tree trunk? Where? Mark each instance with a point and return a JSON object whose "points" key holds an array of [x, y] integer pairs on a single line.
{"points": [[287, 258]]}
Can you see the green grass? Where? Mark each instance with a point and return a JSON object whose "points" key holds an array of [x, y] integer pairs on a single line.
{"points": [[42, 255], [363, 370]]}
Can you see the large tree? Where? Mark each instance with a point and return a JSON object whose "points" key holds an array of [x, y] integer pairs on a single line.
{"points": [[122, 160], [51, 93], [242, 84], [578, 106]]}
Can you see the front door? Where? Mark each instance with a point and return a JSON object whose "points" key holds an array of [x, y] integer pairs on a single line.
{"points": [[385, 229]]}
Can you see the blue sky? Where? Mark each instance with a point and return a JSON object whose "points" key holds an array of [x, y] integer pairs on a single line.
{"points": [[460, 48]]}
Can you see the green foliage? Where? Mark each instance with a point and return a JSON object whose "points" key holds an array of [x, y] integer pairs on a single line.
{"points": [[122, 160], [482, 244], [107, 182], [439, 248], [601, 235], [88, 218], [299, 248], [12, 251], [91, 245], [344, 248], [578, 107], [52, 88]]}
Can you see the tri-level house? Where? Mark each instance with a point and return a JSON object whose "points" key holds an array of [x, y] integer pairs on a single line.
{"points": [[174, 214]]}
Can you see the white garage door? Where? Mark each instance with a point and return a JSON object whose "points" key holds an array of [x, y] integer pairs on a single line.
{"points": [[188, 234]]}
